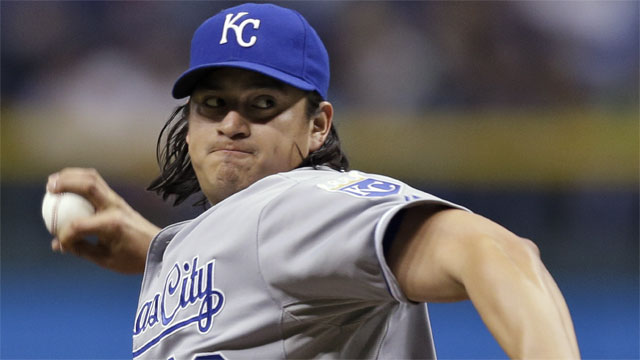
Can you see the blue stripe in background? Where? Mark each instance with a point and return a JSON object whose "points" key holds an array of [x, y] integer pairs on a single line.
{"points": [[67, 316]]}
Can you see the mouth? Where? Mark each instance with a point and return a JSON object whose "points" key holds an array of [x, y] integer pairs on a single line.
{"points": [[232, 151]]}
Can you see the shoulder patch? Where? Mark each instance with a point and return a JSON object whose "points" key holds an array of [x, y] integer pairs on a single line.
{"points": [[357, 184]]}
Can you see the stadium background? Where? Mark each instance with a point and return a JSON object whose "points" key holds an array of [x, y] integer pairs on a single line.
{"points": [[526, 112]]}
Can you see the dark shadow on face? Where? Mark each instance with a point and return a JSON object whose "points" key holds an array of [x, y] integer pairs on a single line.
{"points": [[255, 96]]}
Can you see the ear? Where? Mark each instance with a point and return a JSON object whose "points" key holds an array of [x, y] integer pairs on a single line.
{"points": [[188, 111], [320, 125]]}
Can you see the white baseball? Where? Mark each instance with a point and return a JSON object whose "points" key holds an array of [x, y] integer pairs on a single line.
{"points": [[58, 210]]}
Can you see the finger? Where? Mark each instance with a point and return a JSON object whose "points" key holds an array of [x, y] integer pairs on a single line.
{"points": [[84, 182], [72, 238], [103, 225], [55, 245], [52, 182]]}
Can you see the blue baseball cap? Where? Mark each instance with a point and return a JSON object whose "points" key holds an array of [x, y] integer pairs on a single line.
{"points": [[265, 38]]}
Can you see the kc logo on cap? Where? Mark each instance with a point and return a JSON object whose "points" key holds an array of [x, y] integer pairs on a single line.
{"points": [[269, 39], [230, 23]]}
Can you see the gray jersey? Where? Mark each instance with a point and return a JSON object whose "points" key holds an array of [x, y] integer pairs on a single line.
{"points": [[291, 267]]}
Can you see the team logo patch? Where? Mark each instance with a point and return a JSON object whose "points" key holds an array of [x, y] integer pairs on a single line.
{"points": [[356, 184]]}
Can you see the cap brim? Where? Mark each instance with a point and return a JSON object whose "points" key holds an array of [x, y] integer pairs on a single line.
{"points": [[186, 83]]}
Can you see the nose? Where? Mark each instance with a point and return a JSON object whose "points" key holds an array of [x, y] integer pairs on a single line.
{"points": [[234, 125]]}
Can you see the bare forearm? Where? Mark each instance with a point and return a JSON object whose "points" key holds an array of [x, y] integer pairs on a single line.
{"points": [[519, 302], [450, 255], [564, 309]]}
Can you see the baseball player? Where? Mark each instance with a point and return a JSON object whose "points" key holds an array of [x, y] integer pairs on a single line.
{"points": [[298, 257]]}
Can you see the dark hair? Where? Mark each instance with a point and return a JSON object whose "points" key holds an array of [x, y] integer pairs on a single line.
{"points": [[177, 178]]}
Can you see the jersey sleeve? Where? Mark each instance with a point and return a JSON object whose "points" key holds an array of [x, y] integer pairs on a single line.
{"points": [[323, 238]]}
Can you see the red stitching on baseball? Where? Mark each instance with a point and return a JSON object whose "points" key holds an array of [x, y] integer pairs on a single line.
{"points": [[54, 215]]}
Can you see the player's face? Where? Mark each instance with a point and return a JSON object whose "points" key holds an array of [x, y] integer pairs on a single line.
{"points": [[244, 126]]}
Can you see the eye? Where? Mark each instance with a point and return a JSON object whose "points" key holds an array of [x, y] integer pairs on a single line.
{"points": [[214, 102], [264, 102]]}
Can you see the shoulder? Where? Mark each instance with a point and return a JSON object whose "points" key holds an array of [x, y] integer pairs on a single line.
{"points": [[333, 195], [330, 195], [352, 184]]}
